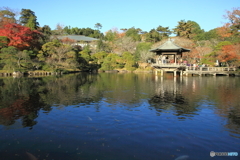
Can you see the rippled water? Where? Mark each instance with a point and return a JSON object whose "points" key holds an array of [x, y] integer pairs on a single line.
{"points": [[119, 117]]}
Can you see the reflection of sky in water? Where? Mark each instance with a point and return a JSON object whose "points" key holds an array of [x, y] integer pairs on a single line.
{"points": [[144, 122]]}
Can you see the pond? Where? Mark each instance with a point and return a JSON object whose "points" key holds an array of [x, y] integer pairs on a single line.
{"points": [[119, 116]]}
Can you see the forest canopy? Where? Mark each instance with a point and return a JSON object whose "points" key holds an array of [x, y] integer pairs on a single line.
{"points": [[26, 45]]}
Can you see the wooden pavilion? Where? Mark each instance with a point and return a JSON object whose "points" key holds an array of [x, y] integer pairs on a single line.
{"points": [[169, 57], [169, 50]]}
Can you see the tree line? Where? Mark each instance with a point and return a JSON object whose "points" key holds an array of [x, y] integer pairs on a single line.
{"points": [[25, 45]]}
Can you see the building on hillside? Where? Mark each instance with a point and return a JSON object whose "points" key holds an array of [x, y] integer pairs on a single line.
{"points": [[79, 40]]}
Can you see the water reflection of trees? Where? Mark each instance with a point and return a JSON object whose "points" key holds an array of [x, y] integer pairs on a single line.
{"points": [[18, 100], [185, 96], [234, 122], [67, 90], [122, 88], [22, 98], [228, 103]]}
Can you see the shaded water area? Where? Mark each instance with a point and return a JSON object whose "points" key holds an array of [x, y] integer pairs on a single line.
{"points": [[114, 116]]}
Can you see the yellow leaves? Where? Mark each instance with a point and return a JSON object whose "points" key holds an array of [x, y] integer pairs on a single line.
{"points": [[71, 54]]}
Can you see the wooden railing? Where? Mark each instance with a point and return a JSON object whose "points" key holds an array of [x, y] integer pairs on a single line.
{"points": [[210, 69], [168, 64]]}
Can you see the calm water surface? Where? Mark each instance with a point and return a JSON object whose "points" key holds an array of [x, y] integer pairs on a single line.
{"points": [[119, 117]]}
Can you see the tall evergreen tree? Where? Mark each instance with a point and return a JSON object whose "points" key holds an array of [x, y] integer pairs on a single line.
{"points": [[29, 19], [189, 29], [197, 32], [184, 29]]}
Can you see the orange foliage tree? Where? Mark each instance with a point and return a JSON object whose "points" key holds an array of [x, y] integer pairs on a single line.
{"points": [[20, 37], [234, 20], [232, 27], [229, 54], [224, 31]]}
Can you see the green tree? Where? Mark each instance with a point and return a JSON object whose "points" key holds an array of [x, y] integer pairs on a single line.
{"points": [[99, 57], [23, 59], [85, 53], [29, 19], [211, 34], [129, 60], [46, 30], [142, 51], [197, 32], [124, 29], [110, 36], [96, 34], [56, 55], [153, 36], [9, 58], [133, 33], [67, 30], [102, 46], [184, 29], [98, 26], [164, 31], [4, 41], [189, 29], [48, 50], [111, 61], [220, 45]]}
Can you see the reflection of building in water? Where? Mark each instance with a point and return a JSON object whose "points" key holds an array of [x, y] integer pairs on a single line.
{"points": [[169, 96]]}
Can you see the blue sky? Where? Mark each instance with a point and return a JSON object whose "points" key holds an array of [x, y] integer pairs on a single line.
{"points": [[144, 14]]}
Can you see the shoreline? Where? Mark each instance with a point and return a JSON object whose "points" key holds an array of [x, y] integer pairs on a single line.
{"points": [[51, 73]]}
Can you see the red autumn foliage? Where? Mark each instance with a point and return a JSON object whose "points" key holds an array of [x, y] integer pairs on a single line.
{"points": [[15, 110], [20, 37]]}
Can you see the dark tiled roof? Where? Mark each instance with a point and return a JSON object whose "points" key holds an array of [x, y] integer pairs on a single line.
{"points": [[169, 46], [78, 38]]}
